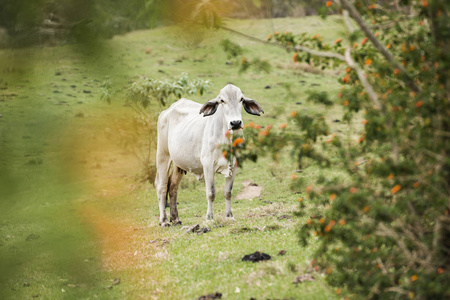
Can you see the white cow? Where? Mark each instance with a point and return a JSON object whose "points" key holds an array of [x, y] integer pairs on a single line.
{"points": [[188, 141]]}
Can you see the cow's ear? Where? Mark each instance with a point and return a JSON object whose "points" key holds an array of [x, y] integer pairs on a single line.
{"points": [[209, 108], [252, 107]]}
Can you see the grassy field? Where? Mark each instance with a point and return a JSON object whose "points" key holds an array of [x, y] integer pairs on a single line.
{"points": [[75, 222]]}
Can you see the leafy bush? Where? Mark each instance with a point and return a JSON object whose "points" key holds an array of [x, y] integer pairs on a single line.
{"points": [[143, 91], [140, 136], [383, 232]]}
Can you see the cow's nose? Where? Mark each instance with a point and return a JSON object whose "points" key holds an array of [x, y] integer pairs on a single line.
{"points": [[237, 124]]}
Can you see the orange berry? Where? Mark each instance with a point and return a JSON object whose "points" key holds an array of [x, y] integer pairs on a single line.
{"points": [[419, 104], [332, 197], [377, 34], [361, 139], [396, 71], [227, 134], [338, 41], [420, 22], [346, 103], [368, 61], [395, 189], [339, 291], [414, 277], [353, 190], [364, 41], [282, 126], [328, 4], [329, 271], [424, 3], [416, 184], [309, 188], [293, 114], [300, 199], [238, 141], [388, 45], [322, 220], [440, 271], [364, 122], [372, 6], [277, 32], [263, 133], [294, 176], [269, 127], [269, 36], [295, 57], [366, 209], [224, 153], [342, 222], [327, 228], [309, 221], [391, 176]]}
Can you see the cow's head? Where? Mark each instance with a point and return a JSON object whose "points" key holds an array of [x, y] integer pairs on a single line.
{"points": [[232, 99]]}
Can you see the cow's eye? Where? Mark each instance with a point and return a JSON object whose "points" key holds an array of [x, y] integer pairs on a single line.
{"points": [[242, 99], [222, 101]]}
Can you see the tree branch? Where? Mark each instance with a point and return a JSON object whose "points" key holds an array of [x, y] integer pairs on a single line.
{"points": [[362, 77], [296, 48], [381, 48]]}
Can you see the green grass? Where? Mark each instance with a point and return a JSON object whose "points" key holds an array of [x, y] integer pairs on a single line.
{"points": [[69, 189]]}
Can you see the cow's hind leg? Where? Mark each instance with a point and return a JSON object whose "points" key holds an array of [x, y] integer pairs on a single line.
{"points": [[174, 182], [228, 191], [210, 191], [161, 182]]}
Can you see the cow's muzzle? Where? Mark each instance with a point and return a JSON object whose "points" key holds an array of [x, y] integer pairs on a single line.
{"points": [[237, 124]]}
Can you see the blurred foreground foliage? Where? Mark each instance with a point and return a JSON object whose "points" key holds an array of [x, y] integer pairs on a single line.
{"points": [[383, 228], [25, 22]]}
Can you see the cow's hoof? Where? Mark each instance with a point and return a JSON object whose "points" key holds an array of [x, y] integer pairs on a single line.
{"points": [[209, 217], [230, 215], [164, 224], [176, 222]]}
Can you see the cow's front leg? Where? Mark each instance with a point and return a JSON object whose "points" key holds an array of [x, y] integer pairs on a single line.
{"points": [[228, 191], [161, 187], [210, 191]]}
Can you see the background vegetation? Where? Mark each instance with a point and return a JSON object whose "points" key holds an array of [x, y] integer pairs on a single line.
{"points": [[351, 153]]}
